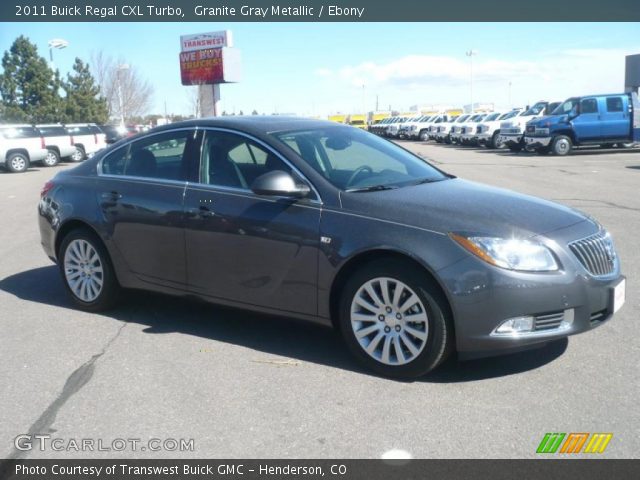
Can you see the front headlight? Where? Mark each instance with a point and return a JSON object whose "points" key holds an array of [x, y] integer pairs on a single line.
{"points": [[509, 253]]}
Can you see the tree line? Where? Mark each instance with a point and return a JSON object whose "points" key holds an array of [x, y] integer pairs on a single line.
{"points": [[32, 92]]}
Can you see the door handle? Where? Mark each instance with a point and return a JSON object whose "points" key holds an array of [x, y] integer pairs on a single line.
{"points": [[111, 196]]}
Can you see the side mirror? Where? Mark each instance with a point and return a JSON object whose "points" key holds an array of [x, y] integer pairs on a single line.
{"points": [[280, 184]]}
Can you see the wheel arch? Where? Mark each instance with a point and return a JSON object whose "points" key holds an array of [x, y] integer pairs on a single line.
{"points": [[23, 151], [362, 258], [73, 224]]}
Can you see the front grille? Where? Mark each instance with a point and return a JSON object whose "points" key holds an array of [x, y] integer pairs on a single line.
{"points": [[511, 131], [595, 253], [548, 321]]}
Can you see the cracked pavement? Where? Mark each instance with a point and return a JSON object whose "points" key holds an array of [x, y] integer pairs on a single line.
{"points": [[246, 385]]}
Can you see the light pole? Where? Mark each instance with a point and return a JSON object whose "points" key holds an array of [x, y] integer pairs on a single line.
{"points": [[57, 43], [121, 67], [471, 53]]}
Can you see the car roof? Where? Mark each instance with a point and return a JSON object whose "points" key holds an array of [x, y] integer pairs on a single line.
{"points": [[259, 124]]}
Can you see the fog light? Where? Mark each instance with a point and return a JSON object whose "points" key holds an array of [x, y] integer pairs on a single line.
{"points": [[516, 325]]}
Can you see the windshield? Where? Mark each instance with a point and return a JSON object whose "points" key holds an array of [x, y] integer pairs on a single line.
{"points": [[535, 110], [476, 118], [462, 118], [492, 116], [352, 159], [566, 107], [509, 115]]}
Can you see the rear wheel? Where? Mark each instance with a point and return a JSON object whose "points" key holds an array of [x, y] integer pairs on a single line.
{"points": [[17, 162], [561, 145], [52, 159], [394, 320], [87, 271], [77, 155]]}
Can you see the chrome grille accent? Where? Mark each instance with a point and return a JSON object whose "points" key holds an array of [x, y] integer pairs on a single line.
{"points": [[596, 253], [598, 316], [548, 321]]}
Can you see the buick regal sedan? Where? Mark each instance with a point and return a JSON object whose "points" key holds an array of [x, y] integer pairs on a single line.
{"points": [[330, 224]]}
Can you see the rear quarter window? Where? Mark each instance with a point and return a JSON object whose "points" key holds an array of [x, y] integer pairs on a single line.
{"points": [[614, 104]]}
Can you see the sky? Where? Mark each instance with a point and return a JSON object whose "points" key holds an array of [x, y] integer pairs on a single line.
{"points": [[323, 68]]}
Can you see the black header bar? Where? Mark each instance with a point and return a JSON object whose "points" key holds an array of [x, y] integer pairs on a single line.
{"points": [[319, 11]]}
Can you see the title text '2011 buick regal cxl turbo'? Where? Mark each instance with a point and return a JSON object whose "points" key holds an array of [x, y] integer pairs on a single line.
{"points": [[331, 224]]}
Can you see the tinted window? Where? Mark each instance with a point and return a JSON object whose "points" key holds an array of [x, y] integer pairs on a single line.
{"points": [[164, 156], [20, 132], [231, 160], [79, 130], [53, 131], [589, 105], [614, 104]]}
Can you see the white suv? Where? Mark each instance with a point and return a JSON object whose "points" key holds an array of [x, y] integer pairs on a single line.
{"points": [[87, 139], [20, 145], [58, 142], [512, 131], [443, 132], [465, 128], [488, 132]]}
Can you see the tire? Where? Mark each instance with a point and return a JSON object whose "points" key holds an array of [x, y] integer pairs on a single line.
{"points": [[495, 141], [424, 136], [101, 288], [52, 159], [401, 349], [561, 145], [17, 162], [77, 155]]}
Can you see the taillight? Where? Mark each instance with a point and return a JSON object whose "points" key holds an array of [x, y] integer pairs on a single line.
{"points": [[46, 188], [42, 144]]}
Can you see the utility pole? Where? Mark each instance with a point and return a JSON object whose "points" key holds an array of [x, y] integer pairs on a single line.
{"points": [[471, 53]]}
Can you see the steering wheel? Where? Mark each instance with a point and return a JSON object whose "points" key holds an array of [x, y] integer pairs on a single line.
{"points": [[358, 171]]}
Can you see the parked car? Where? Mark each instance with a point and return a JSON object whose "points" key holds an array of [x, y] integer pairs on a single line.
{"points": [[422, 129], [443, 134], [393, 129], [112, 133], [288, 216], [469, 131], [605, 120], [412, 126], [21, 145], [465, 127], [58, 142], [379, 128], [87, 139], [432, 132], [488, 132], [512, 130]]}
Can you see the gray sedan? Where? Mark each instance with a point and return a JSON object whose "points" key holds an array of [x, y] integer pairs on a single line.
{"points": [[330, 224]]}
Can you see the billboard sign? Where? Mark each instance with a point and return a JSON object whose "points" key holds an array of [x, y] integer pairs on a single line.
{"points": [[210, 66], [199, 41]]}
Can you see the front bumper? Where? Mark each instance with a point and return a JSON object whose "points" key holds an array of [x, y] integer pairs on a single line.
{"points": [[483, 296], [469, 138], [484, 138], [511, 140], [537, 142]]}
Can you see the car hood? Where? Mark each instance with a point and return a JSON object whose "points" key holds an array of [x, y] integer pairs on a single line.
{"points": [[548, 120], [457, 205]]}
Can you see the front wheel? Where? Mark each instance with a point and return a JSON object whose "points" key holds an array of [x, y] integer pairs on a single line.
{"points": [[561, 145], [394, 320], [87, 271], [495, 141], [17, 163], [52, 159]]}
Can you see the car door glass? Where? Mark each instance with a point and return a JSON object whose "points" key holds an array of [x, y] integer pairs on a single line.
{"points": [[589, 105], [230, 160], [614, 104], [159, 156], [114, 163]]}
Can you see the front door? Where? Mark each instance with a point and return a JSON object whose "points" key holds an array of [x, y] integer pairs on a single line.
{"points": [[245, 247], [140, 192], [587, 125]]}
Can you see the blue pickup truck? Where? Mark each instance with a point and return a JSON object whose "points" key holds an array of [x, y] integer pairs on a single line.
{"points": [[604, 120]]}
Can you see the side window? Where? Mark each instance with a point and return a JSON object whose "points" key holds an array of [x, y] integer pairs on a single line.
{"points": [[614, 104], [589, 105], [230, 160], [165, 156], [114, 163]]}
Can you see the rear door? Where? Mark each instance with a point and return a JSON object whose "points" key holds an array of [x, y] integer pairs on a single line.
{"points": [[587, 125], [616, 120], [140, 191]]}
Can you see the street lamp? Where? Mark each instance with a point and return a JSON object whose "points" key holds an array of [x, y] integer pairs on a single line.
{"points": [[58, 43], [471, 54], [121, 67]]}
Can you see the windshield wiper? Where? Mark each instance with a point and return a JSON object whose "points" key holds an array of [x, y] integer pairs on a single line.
{"points": [[427, 180], [371, 188]]}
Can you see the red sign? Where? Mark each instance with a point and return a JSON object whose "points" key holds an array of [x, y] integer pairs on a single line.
{"points": [[202, 67]]}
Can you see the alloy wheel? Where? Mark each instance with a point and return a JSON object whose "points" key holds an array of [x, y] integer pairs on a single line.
{"points": [[389, 321], [18, 163], [83, 270]]}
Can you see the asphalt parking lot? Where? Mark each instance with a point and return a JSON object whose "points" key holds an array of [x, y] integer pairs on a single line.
{"points": [[248, 386]]}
